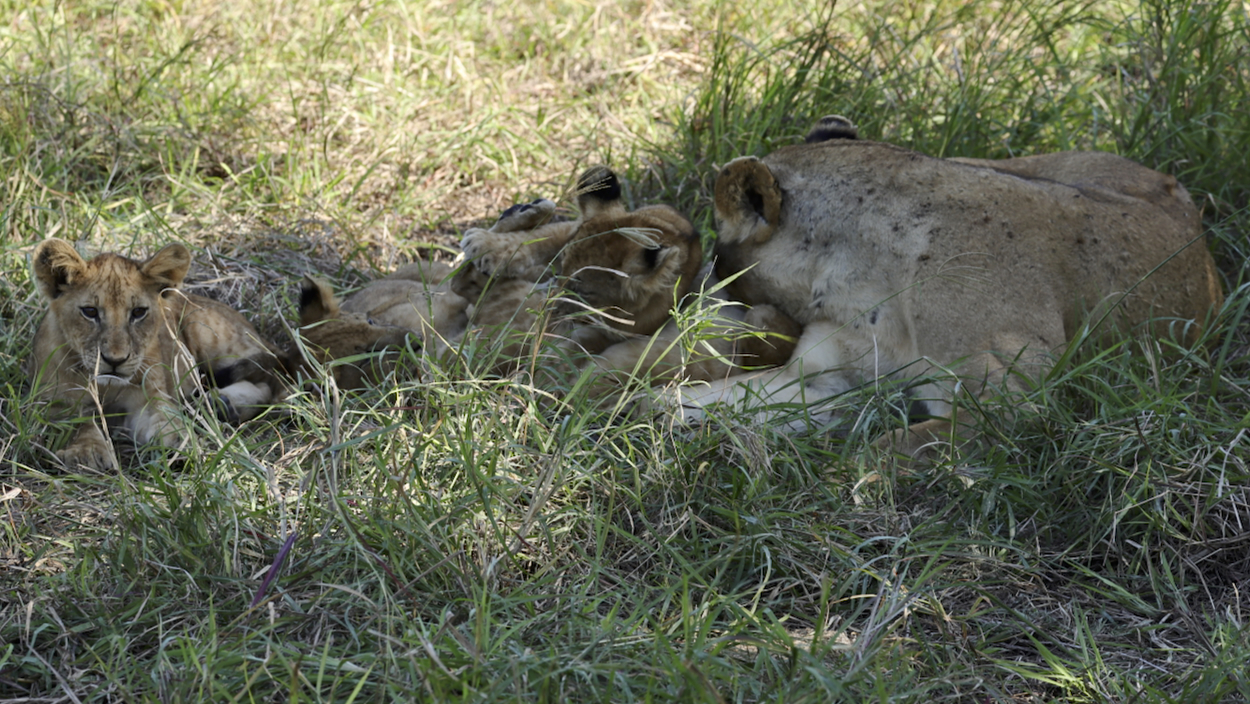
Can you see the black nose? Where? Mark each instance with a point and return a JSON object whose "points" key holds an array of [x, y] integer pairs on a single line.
{"points": [[112, 363]]}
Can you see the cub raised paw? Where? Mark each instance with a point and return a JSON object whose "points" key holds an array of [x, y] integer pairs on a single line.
{"points": [[520, 245]]}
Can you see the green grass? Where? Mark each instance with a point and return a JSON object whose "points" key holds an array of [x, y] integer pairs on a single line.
{"points": [[454, 537]]}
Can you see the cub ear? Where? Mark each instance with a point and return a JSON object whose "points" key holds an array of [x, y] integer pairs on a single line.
{"points": [[598, 190], [168, 267], [657, 257], [832, 127], [57, 265], [748, 202], [316, 301]]}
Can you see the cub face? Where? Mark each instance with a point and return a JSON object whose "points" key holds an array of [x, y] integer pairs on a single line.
{"points": [[633, 265], [340, 333], [108, 311]]}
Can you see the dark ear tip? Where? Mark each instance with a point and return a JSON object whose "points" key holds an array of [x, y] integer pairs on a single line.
{"points": [[308, 293], [47, 249], [599, 183], [832, 127]]}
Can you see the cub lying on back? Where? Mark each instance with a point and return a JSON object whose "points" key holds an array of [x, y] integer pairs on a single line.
{"points": [[633, 268], [120, 329], [953, 271]]}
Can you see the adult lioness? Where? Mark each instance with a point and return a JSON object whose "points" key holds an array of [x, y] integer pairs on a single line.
{"points": [[952, 270], [633, 267], [120, 338]]}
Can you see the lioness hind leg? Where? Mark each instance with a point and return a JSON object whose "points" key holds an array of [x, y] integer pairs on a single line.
{"points": [[89, 448], [1003, 370], [920, 441]]}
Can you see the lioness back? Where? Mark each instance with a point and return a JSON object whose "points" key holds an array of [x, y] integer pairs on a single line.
{"points": [[120, 329], [867, 226], [905, 265]]}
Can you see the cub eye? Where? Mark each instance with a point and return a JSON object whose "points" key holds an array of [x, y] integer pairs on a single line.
{"points": [[90, 313], [137, 314]]}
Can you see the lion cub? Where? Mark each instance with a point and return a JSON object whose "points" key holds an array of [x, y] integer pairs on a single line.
{"points": [[121, 339], [410, 305], [614, 278]]}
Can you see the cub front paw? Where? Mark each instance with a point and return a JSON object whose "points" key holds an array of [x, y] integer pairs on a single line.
{"points": [[486, 251], [495, 251], [96, 456], [158, 424], [89, 448]]}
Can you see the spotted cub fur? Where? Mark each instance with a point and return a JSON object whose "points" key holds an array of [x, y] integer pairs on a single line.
{"points": [[120, 344]]}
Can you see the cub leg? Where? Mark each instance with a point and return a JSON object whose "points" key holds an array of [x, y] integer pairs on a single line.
{"points": [[244, 400], [775, 345], [89, 448], [157, 422]]}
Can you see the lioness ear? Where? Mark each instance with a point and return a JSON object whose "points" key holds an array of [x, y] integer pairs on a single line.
{"points": [[316, 301], [598, 190], [168, 267], [57, 265], [748, 201]]}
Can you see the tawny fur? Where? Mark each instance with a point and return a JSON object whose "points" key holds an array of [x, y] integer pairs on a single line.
{"points": [[632, 267], [119, 337], [904, 265], [413, 306]]}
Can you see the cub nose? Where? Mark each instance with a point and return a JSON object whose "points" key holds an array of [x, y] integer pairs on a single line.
{"points": [[111, 364]]}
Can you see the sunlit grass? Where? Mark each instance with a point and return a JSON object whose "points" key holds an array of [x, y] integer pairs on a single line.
{"points": [[454, 536]]}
